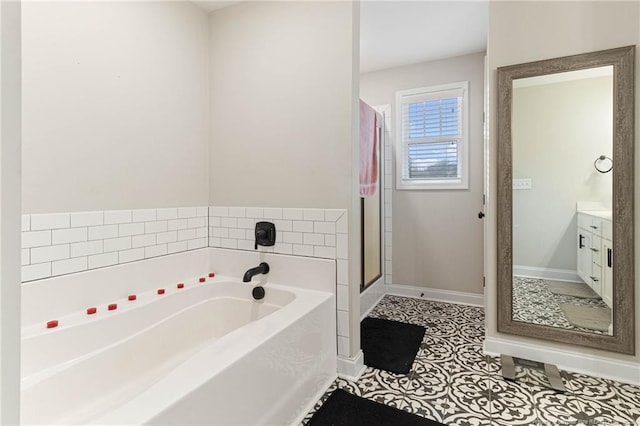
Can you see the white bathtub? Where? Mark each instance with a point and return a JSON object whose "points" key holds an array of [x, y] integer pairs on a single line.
{"points": [[204, 354]]}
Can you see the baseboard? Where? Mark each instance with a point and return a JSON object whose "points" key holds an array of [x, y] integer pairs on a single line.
{"points": [[547, 273], [371, 297], [351, 368], [435, 294], [621, 371]]}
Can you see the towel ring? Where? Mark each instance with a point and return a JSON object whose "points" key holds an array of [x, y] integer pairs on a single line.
{"points": [[602, 158]]}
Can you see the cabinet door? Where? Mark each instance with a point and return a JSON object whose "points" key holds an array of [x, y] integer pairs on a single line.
{"points": [[607, 274], [584, 255]]}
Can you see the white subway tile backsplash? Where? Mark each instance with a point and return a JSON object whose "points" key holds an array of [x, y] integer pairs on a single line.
{"points": [[145, 215], [313, 239], [50, 221], [342, 225], [324, 227], [187, 212], [186, 234], [69, 266], [87, 248], [272, 213], [125, 256], [49, 253], [25, 257], [117, 216], [202, 232], [292, 214], [116, 244], [283, 225], [126, 229], [155, 227], [245, 223], [243, 244], [69, 235], [342, 297], [155, 251], [196, 222], [177, 247], [342, 269], [229, 222], [102, 260], [219, 211], [251, 235], [167, 237], [176, 224], [302, 250], [143, 240], [196, 243], [202, 211], [255, 212], [36, 239], [330, 240], [237, 211], [292, 237], [228, 243], [215, 242], [238, 234], [25, 223], [36, 272], [284, 248], [343, 323], [167, 213], [313, 214], [332, 215], [343, 346], [302, 226], [326, 252], [102, 232], [221, 232], [342, 246]]}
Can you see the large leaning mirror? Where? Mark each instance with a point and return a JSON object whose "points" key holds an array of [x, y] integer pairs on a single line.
{"points": [[565, 199]]}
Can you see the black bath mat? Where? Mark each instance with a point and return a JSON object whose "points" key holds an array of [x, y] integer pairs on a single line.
{"points": [[390, 345], [345, 409]]}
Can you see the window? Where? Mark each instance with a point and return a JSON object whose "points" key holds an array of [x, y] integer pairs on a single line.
{"points": [[431, 141]]}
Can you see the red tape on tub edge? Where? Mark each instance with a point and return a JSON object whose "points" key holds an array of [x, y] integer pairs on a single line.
{"points": [[92, 310], [112, 307], [202, 279], [212, 274], [52, 324], [161, 291], [132, 297], [180, 285]]}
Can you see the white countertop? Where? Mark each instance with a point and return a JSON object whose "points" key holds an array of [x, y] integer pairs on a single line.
{"points": [[602, 214]]}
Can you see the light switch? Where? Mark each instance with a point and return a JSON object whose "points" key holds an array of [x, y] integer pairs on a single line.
{"points": [[524, 183]]}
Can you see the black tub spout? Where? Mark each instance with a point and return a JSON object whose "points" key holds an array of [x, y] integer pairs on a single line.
{"points": [[262, 268]]}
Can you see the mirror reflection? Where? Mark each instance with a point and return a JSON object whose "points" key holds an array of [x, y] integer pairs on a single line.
{"points": [[562, 132]]}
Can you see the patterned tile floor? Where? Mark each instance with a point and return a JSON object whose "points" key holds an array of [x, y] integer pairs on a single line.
{"points": [[454, 383], [534, 303]]}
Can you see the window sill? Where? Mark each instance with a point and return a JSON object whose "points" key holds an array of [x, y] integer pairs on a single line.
{"points": [[431, 186]]}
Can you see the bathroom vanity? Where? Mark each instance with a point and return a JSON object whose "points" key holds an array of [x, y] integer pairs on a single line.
{"points": [[595, 252]]}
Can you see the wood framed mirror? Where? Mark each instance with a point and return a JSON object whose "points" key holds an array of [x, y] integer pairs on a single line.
{"points": [[566, 199]]}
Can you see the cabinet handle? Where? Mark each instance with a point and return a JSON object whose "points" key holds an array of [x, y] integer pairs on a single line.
{"points": [[595, 280], [609, 258], [594, 250], [593, 226], [580, 245]]}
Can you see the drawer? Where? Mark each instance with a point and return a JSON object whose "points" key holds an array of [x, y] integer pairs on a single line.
{"points": [[607, 230], [584, 221], [596, 250], [596, 226]]}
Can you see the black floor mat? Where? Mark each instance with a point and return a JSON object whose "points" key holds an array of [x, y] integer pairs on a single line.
{"points": [[390, 345], [345, 409]]}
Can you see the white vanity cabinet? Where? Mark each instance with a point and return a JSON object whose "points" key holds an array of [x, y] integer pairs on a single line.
{"points": [[595, 253]]}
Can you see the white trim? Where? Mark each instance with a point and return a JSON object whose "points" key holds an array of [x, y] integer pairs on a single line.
{"points": [[371, 297], [351, 368], [463, 147], [547, 273], [621, 371], [435, 294]]}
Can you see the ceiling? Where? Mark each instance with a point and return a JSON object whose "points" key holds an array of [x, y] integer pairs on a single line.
{"points": [[395, 33]]}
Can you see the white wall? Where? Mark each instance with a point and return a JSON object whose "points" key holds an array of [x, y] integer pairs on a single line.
{"points": [[9, 213], [528, 31], [115, 106], [559, 129], [433, 231], [283, 112]]}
